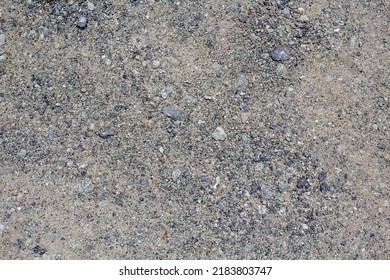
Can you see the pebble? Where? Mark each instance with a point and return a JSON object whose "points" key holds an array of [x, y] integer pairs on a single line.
{"points": [[85, 186], [282, 187], [262, 209], [39, 250], [81, 21], [304, 18], [381, 146], [281, 53], [91, 6], [176, 173], [241, 82], [22, 153], [267, 193], [155, 64], [217, 68], [245, 116], [302, 182], [166, 91], [51, 133], [2, 39], [219, 134], [322, 176], [105, 134], [305, 227], [173, 112], [2, 228]]}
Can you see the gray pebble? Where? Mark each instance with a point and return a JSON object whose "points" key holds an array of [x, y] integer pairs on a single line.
{"points": [[51, 133], [2, 39], [173, 112], [381, 146], [282, 187], [91, 6], [81, 21], [267, 193], [85, 186], [219, 134], [166, 91], [302, 182], [22, 153], [322, 176], [281, 53], [176, 173], [241, 82]]}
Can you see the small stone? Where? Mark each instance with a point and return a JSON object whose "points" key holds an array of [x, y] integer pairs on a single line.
{"points": [[3, 57], [245, 116], [176, 173], [51, 135], [85, 186], [302, 182], [254, 188], [281, 53], [217, 68], [324, 187], [305, 227], [39, 250], [105, 134], [241, 82], [2, 228], [219, 134], [2, 39], [19, 197], [322, 176], [304, 18], [166, 91], [22, 153], [381, 146], [82, 21], [155, 64], [282, 187], [91, 6], [173, 112], [267, 193], [262, 209]]}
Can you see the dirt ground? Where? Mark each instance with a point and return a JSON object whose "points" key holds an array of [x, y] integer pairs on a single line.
{"points": [[161, 129]]}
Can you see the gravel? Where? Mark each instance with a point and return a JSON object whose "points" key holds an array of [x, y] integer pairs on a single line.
{"points": [[242, 129]]}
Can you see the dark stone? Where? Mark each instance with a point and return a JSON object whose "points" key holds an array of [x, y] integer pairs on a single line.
{"points": [[254, 188], [324, 187], [39, 250], [105, 134], [322, 176], [381, 146], [302, 183]]}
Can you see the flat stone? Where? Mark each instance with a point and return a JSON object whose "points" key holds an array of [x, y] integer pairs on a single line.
{"points": [[173, 112]]}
